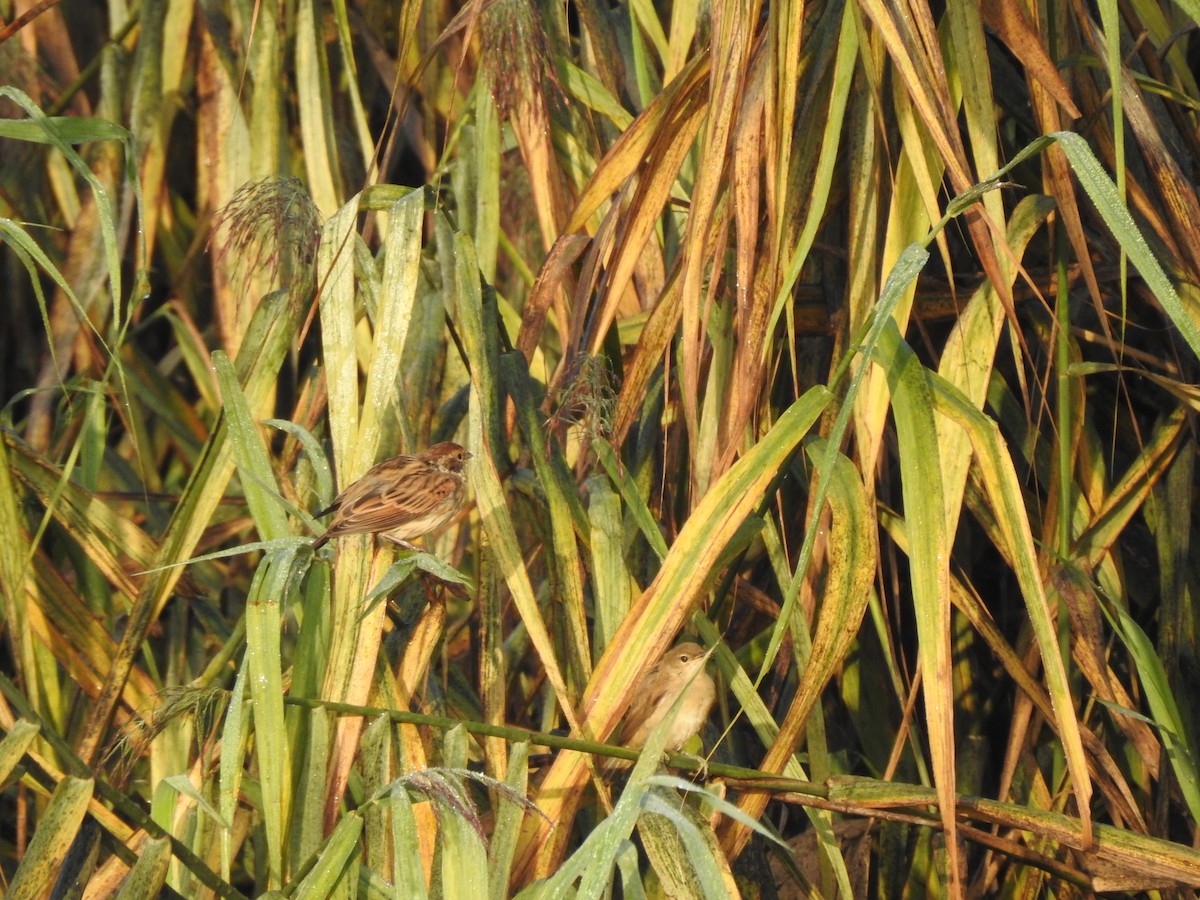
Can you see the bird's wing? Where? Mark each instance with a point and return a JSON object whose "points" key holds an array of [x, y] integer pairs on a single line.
{"points": [[384, 505], [373, 482], [643, 706]]}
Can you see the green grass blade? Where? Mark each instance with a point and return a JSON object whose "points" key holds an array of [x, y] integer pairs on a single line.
{"points": [[57, 828]]}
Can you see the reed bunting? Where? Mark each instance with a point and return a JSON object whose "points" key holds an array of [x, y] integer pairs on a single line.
{"points": [[402, 498]]}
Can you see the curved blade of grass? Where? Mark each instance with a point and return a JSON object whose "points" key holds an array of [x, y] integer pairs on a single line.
{"points": [[657, 178], [612, 585], [598, 854], [315, 109], [375, 764], [911, 261], [264, 660], [231, 768], [57, 827], [716, 802], [316, 458], [635, 503], [16, 741], [334, 864], [508, 822], [1004, 491], [628, 153], [464, 862], [683, 850], [970, 351], [107, 218], [924, 513], [182, 785], [28, 252], [408, 875], [589, 91], [1163, 708], [94, 525], [401, 273], [335, 274], [1107, 200], [149, 873], [71, 129], [631, 878], [16, 557], [249, 454]]}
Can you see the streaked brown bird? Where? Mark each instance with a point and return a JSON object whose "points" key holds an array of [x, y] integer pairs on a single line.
{"points": [[678, 670], [402, 498]]}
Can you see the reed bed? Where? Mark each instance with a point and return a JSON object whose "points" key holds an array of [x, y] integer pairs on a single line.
{"points": [[857, 340]]}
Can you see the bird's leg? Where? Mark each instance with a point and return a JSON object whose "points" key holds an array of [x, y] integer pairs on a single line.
{"points": [[430, 594], [700, 764], [405, 544], [448, 587]]}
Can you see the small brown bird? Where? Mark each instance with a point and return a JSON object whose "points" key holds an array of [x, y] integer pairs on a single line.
{"points": [[402, 498], [679, 669]]}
